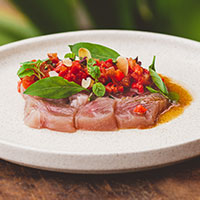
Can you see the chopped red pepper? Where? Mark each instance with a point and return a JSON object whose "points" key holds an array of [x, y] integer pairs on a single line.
{"points": [[140, 109]]}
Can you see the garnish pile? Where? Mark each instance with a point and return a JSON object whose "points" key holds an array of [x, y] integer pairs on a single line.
{"points": [[92, 68]]}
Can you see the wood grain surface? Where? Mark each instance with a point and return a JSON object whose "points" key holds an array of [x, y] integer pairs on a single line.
{"points": [[181, 181]]}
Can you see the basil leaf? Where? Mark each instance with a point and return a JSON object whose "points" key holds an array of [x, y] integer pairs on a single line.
{"points": [[53, 88], [152, 90], [99, 89], [156, 91], [93, 70], [97, 51], [158, 81], [174, 96], [152, 66], [26, 73], [70, 55]]}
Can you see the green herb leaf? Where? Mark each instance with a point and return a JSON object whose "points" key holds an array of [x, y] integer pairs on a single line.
{"points": [[152, 66], [152, 90], [93, 70], [158, 81], [34, 66], [97, 51], [39, 62], [27, 63], [174, 96], [99, 89], [53, 88], [24, 69], [72, 56], [26, 73], [156, 91], [91, 62]]}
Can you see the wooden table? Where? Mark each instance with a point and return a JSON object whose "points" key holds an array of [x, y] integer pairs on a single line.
{"points": [[181, 181]]}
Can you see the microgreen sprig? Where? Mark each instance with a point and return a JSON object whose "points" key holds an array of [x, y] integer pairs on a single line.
{"points": [[93, 69], [30, 68], [98, 88]]}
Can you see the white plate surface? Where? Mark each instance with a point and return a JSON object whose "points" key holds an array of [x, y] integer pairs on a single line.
{"points": [[102, 152]]}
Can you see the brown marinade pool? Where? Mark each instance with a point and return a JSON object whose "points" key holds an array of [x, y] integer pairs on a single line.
{"points": [[184, 101]]}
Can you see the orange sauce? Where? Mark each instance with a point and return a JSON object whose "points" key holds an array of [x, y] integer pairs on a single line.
{"points": [[184, 101]]}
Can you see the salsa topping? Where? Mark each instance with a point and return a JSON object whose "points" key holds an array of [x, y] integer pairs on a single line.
{"points": [[93, 68]]}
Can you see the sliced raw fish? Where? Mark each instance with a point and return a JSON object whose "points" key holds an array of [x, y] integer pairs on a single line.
{"points": [[97, 115], [52, 114], [126, 117], [78, 100]]}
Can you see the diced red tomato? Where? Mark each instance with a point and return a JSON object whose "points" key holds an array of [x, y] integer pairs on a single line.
{"points": [[138, 86], [108, 89], [60, 67], [119, 75], [113, 78], [131, 63], [27, 81], [140, 109], [138, 69], [63, 73], [114, 89], [120, 88], [75, 67], [53, 57], [109, 62], [19, 86], [126, 81]]}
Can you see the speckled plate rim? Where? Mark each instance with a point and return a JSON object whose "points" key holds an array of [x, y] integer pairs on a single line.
{"points": [[91, 162]]}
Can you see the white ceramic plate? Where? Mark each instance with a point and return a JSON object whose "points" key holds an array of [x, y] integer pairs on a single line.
{"points": [[102, 152]]}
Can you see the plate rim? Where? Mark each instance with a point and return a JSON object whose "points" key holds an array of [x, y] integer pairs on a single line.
{"points": [[37, 38]]}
